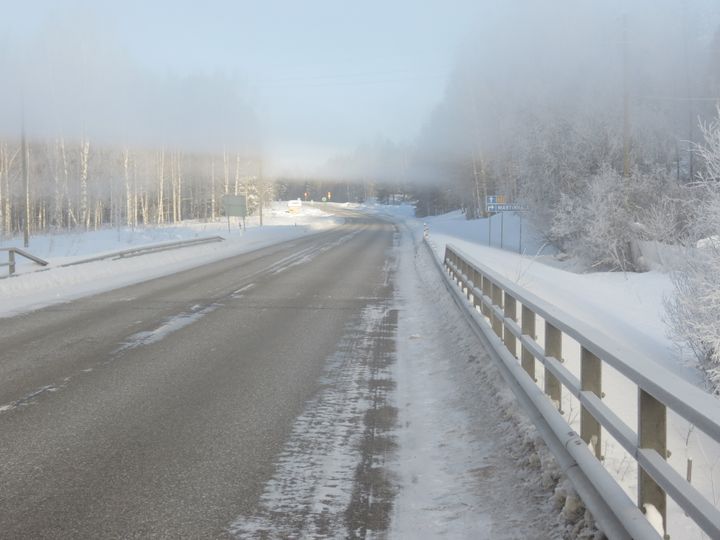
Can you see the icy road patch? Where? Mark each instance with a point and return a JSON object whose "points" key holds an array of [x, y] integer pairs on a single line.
{"points": [[331, 480]]}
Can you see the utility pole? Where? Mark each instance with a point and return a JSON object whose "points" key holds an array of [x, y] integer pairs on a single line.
{"points": [[626, 101]]}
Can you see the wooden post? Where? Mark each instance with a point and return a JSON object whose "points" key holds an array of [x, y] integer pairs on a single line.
{"points": [[652, 434], [553, 347], [510, 313], [591, 381], [528, 329], [11, 261]]}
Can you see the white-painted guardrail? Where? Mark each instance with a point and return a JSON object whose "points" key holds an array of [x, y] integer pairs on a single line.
{"points": [[492, 302]]}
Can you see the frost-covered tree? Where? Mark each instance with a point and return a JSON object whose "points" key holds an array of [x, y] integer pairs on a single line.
{"points": [[603, 220], [693, 309]]}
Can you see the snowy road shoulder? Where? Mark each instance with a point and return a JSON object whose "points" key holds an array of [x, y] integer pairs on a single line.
{"points": [[469, 464], [33, 290]]}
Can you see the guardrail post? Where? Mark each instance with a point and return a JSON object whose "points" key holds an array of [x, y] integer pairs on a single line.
{"points": [[448, 261], [497, 323], [652, 433], [486, 288], [553, 347], [510, 313], [591, 381], [11, 261], [475, 284], [466, 273], [528, 329]]}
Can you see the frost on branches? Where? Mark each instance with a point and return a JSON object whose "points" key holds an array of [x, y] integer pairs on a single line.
{"points": [[603, 221], [693, 311]]}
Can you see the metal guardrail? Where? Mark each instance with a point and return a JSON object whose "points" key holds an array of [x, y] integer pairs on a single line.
{"points": [[134, 252], [492, 302], [127, 253], [17, 251]]}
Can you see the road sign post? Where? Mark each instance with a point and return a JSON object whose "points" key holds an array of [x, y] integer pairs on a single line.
{"points": [[235, 205], [502, 228], [498, 204]]}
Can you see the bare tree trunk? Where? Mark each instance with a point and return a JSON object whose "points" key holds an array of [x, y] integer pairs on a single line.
{"points": [[3, 188], [72, 219], [237, 174], [226, 166], [8, 212], [128, 191], [135, 196], [478, 204], [173, 186], [178, 170], [97, 223], [176, 182], [84, 208], [26, 181], [161, 195], [144, 207], [41, 216], [213, 203], [57, 219]]}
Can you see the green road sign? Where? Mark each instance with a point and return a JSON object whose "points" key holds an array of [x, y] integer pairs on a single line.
{"points": [[234, 205]]}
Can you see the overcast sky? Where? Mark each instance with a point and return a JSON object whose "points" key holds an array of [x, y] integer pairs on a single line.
{"points": [[298, 82], [314, 77]]}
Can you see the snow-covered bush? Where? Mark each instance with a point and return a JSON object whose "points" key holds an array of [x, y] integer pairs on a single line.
{"points": [[600, 224], [693, 312], [694, 309]]}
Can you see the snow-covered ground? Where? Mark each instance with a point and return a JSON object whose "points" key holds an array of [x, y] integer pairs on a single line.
{"points": [[626, 307], [35, 287], [469, 463]]}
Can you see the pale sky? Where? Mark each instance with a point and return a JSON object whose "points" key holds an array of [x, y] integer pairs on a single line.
{"points": [[321, 76]]}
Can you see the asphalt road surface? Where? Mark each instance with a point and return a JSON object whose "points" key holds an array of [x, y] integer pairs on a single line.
{"points": [[160, 409]]}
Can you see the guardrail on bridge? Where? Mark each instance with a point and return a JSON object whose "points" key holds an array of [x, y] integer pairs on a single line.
{"points": [[493, 302]]}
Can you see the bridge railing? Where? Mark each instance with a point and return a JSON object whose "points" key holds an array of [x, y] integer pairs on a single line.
{"points": [[507, 314]]}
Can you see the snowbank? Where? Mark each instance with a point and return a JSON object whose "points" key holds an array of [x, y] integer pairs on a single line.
{"points": [[34, 288]]}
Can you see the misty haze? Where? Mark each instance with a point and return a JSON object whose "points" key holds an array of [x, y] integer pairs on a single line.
{"points": [[378, 270]]}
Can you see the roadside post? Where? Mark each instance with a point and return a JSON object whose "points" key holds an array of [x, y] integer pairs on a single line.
{"points": [[490, 204], [502, 228]]}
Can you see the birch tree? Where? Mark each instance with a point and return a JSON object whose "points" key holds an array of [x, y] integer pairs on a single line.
{"points": [[84, 203]]}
